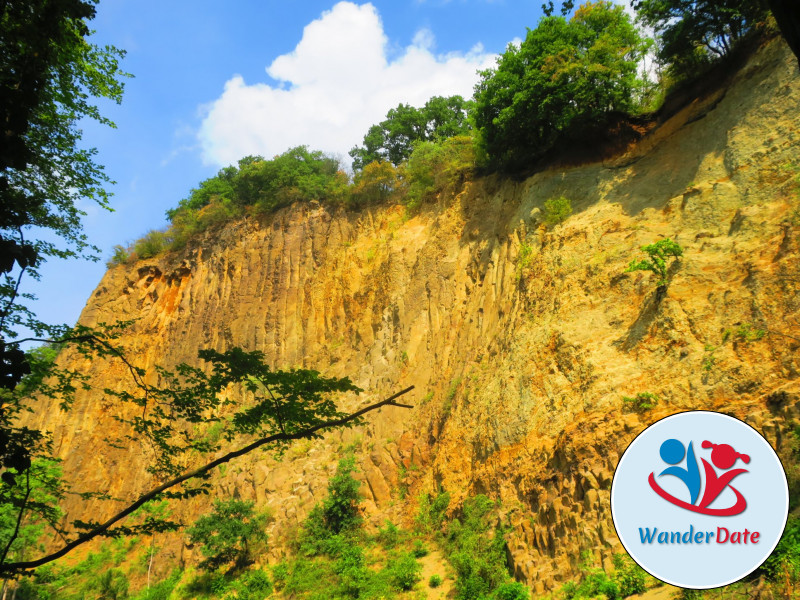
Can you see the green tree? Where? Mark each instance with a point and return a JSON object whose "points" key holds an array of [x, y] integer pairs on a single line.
{"points": [[49, 75], [658, 253], [392, 140], [692, 33], [340, 509], [229, 534], [565, 77]]}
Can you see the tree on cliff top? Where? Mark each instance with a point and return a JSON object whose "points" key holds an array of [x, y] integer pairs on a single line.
{"points": [[694, 32], [392, 140], [565, 77]]}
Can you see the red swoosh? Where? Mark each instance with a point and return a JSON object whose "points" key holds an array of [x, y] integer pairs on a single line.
{"points": [[737, 508]]}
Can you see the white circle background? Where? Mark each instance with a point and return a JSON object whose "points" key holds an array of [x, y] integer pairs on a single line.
{"points": [[635, 505]]}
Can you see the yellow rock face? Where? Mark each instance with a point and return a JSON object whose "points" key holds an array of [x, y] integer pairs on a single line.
{"points": [[521, 339]]}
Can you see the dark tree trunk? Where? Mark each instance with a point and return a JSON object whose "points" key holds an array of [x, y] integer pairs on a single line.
{"points": [[787, 14]]}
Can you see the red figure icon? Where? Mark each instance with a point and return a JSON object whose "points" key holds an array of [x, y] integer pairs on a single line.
{"points": [[724, 457]]}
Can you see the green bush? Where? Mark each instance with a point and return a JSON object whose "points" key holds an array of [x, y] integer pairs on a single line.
{"points": [[152, 244], [432, 511], [630, 577], [556, 210], [476, 552], [658, 254], [253, 585], [435, 581], [119, 256], [785, 559], [641, 402], [436, 166], [339, 513], [388, 535], [512, 590], [404, 572], [229, 534], [420, 549]]}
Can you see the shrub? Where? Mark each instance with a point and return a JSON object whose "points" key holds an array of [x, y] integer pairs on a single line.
{"points": [[435, 166], [404, 572], [512, 590], [556, 210], [229, 533], [641, 402], [432, 511], [119, 256], [435, 581], [658, 254], [339, 513], [152, 244], [253, 585], [630, 577], [476, 553], [374, 183], [388, 535], [420, 549]]}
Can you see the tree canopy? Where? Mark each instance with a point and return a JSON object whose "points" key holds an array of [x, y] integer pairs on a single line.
{"points": [[565, 76], [693, 32], [392, 140]]}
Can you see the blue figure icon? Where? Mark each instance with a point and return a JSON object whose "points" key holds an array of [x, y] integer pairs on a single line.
{"points": [[672, 452]]}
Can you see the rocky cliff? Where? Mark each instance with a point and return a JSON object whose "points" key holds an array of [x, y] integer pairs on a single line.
{"points": [[521, 339]]}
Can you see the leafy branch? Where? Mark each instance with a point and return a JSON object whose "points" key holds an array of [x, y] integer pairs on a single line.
{"points": [[105, 528]]}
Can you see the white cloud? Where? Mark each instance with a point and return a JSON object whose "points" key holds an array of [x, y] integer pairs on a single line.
{"points": [[331, 88]]}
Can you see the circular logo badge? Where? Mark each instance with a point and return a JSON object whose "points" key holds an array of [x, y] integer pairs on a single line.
{"points": [[699, 499]]}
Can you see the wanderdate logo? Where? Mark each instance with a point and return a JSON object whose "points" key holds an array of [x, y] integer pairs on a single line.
{"points": [[723, 457], [699, 499]]}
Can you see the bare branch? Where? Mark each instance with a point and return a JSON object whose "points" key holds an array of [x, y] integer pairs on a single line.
{"points": [[104, 527]]}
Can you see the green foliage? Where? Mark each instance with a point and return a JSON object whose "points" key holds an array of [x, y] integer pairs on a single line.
{"points": [[435, 581], [327, 524], [229, 534], [374, 183], [152, 244], [393, 139], [658, 252], [119, 256], [432, 512], [436, 166], [565, 78], [556, 210], [476, 553], [253, 585], [420, 549], [744, 333], [641, 402], [389, 535], [404, 572], [630, 577], [511, 590], [785, 559], [275, 402], [693, 33], [709, 360], [161, 590], [340, 509]]}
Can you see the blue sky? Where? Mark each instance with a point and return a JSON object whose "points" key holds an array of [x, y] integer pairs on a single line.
{"points": [[214, 81]]}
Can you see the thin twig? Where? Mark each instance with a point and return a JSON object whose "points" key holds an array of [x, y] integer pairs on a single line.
{"points": [[104, 527]]}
